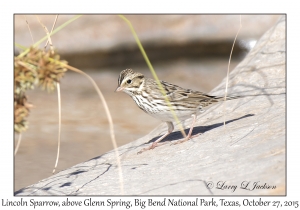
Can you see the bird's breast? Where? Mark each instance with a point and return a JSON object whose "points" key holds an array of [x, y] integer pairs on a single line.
{"points": [[160, 110], [145, 104]]}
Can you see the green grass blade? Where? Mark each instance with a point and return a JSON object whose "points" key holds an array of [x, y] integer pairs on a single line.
{"points": [[152, 70]]}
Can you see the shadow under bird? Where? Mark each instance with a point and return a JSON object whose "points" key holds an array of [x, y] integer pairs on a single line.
{"points": [[185, 103]]}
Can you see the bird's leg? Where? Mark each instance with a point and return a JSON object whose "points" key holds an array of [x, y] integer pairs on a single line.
{"points": [[189, 136], [155, 144]]}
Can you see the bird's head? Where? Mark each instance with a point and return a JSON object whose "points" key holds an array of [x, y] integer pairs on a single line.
{"points": [[129, 81]]}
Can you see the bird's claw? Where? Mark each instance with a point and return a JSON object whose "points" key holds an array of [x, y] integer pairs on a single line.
{"points": [[153, 145], [186, 139]]}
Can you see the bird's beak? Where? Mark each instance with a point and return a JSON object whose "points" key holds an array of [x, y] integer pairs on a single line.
{"points": [[119, 89]]}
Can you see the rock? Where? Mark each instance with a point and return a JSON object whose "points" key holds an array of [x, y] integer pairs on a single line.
{"points": [[249, 152]]}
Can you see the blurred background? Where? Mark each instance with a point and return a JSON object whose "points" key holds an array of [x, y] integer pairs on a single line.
{"points": [[191, 51]]}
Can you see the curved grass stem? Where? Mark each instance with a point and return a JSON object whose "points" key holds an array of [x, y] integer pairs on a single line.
{"points": [[227, 77], [153, 73], [59, 125], [18, 144], [111, 125]]}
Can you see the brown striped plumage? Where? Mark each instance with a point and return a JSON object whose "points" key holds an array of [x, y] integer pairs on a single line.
{"points": [[147, 95]]}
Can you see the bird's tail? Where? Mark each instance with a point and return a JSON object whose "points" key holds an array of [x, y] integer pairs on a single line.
{"points": [[244, 96], [233, 97], [228, 98]]}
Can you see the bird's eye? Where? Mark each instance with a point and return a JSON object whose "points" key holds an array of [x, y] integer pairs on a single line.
{"points": [[129, 81]]}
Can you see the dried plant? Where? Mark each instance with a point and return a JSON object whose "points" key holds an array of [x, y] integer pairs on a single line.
{"points": [[25, 73], [50, 71], [34, 68], [21, 112]]}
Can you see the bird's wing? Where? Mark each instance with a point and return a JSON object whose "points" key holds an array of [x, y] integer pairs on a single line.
{"points": [[174, 92], [177, 93]]}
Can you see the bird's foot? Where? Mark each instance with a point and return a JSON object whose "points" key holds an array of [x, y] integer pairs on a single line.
{"points": [[153, 145], [186, 139]]}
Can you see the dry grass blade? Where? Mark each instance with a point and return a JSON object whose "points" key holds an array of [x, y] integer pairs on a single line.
{"points": [[58, 93], [59, 125], [51, 31], [29, 29], [48, 35], [111, 125], [18, 144], [227, 78]]}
